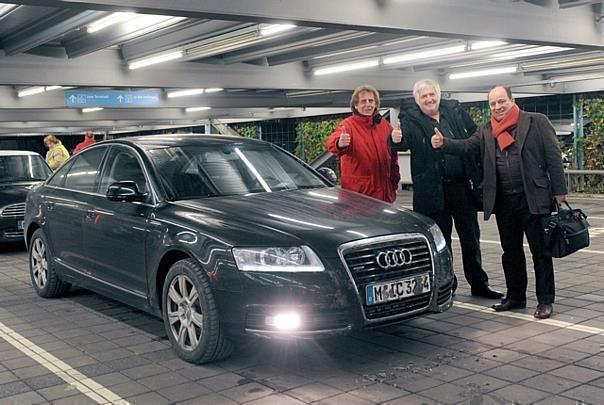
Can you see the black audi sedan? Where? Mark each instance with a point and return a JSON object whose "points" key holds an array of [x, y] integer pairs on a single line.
{"points": [[223, 236], [19, 171]]}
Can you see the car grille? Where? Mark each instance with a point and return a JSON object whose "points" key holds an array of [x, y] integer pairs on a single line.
{"points": [[444, 293], [364, 269], [13, 234], [14, 210]]}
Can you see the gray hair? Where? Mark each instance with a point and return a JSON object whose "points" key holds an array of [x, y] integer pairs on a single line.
{"points": [[420, 85]]}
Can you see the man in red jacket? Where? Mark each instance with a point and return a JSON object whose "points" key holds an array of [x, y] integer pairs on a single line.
{"points": [[367, 165], [88, 140]]}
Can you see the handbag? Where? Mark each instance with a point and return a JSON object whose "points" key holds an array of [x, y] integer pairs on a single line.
{"points": [[565, 231]]}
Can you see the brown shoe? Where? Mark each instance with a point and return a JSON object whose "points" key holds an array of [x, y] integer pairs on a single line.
{"points": [[544, 311]]}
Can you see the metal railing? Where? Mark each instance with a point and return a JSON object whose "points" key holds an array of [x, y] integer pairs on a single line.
{"points": [[579, 180]]}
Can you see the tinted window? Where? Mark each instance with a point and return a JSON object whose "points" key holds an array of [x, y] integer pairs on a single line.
{"points": [[207, 171], [122, 165], [83, 173], [23, 168]]}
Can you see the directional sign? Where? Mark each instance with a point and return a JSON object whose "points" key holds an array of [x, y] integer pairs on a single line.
{"points": [[112, 98]]}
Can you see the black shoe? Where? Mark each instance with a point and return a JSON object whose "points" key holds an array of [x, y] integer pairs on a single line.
{"points": [[487, 292], [506, 305]]}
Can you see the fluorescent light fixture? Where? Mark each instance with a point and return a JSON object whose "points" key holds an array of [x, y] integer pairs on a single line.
{"points": [[345, 67], [266, 30], [224, 43], [214, 89], [537, 50], [92, 109], [193, 109], [484, 72], [183, 93], [474, 46], [109, 20], [406, 57], [51, 88], [30, 91], [152, 60]]}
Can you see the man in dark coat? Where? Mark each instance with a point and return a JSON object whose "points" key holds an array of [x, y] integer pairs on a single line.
{"points": [[443, 184], [523, 175]]}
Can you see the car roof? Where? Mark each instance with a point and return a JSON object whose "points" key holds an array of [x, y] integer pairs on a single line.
{"points": [[168, 140], [18, 153]]}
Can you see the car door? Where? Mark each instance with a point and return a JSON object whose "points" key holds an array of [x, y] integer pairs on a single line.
{"points": [[115, 231], [66, 202]]}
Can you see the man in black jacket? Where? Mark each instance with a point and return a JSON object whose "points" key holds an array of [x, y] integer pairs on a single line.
{"points": [[445, 187]]}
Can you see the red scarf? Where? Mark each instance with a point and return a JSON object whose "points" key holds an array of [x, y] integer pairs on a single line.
{"points": [[501, 129]]}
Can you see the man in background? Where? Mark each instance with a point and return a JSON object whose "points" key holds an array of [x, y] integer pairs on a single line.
{"points": [[88, 140]]}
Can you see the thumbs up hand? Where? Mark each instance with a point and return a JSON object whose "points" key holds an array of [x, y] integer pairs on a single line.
{"points": [[437, 139], [397, 134], [344, 140]]}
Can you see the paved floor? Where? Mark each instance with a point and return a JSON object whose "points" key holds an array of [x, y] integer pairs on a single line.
{"points": [[86, 349]]}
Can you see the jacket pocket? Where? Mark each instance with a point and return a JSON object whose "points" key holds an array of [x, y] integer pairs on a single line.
{"points": [[541, 182]]}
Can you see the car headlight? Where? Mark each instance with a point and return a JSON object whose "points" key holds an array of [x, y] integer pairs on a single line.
{"points": [[290, 259], [439, 238]]}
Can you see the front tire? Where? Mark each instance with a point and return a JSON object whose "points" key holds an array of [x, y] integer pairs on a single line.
{"points": [[190, 315], [44, 278]]}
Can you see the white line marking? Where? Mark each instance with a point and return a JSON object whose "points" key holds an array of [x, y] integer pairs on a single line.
{"points": [[496, 242], [85, 385], [526, 317]]}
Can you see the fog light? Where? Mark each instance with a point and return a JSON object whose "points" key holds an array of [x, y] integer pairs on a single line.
{"points": [[284, 322]]}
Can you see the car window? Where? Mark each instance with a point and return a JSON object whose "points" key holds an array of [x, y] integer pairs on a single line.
{"points": [[58, 178], [207, 171], [23, 168], [122, 165], [83, 173]]}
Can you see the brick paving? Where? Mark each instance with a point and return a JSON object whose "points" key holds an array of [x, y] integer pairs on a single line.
{"points": [[462, 356]]}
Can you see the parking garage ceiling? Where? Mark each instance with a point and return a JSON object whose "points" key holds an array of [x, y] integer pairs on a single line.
{"points": [[261, 59]]}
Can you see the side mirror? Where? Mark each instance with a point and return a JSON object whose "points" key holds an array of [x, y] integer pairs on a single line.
{"points": [[328, 174], [124, 191]]}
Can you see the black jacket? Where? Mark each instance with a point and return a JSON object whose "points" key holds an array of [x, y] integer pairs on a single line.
{"points": [[427, 163], [540, 161]]}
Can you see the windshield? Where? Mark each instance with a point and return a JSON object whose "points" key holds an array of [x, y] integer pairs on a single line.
{"points": [[219, 170], [23, 168]]}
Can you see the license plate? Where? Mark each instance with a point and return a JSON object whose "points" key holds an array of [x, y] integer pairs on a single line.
{"points": [[20, 225], [380, 293]]}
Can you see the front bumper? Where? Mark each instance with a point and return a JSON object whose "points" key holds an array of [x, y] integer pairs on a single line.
{"points": [[11, 229], [333, 301]]}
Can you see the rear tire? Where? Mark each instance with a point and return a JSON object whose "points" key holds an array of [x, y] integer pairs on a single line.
{"points": [[44, 278], [190, 315]]}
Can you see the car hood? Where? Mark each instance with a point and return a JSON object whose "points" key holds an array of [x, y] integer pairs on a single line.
{"points": [[13, 193], [320, 218]]}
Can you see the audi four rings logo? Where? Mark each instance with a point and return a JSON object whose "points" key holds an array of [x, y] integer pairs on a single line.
{"points": [[393, 258]]}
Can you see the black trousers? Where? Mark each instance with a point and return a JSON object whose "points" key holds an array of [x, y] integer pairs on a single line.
{"points": [[514, 220], [460, 208]]}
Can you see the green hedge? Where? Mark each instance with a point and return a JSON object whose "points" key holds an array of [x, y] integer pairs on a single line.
{"points": [[310, 137]]}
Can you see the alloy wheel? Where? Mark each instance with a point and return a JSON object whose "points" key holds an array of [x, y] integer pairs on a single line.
{"points": [[184, 312], [39, 263]]}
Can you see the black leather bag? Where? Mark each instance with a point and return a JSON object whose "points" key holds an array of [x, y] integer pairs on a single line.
{"points": [[565, 231]]}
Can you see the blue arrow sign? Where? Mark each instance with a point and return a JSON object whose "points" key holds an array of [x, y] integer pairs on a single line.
{"points": [[112, 98]]}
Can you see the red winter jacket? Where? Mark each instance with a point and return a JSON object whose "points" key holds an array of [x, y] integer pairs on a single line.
{"points": [[367, 165], [83, 145]]}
